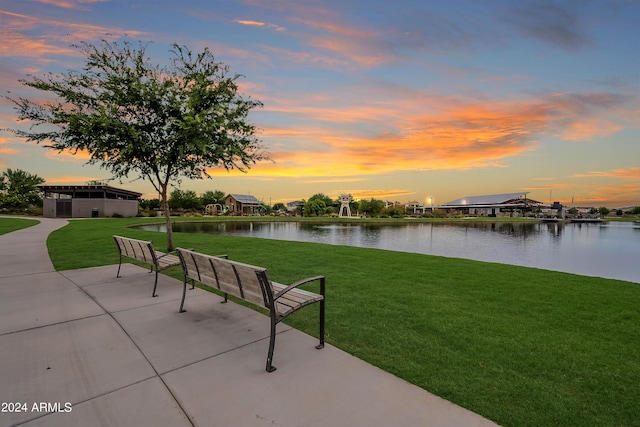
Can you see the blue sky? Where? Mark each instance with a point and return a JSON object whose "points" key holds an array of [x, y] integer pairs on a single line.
{"points": [[401, 101]]}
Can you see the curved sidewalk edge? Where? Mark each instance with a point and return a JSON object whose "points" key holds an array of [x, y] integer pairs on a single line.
{"points": [[25, 251]]}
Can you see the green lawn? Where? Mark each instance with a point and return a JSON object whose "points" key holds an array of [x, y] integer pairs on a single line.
{"points": [[521, 346], [7, 225]]}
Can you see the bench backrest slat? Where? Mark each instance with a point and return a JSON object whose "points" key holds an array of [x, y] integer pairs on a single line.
{"points": [[254, 283], [136, 249], [199, 268], [244, 281]]}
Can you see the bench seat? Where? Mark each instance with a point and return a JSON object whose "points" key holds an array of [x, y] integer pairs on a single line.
{"points": [[252, 284], [166, 260], [143, 251], [294, 299]]}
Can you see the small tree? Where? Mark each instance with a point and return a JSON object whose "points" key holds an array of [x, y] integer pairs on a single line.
{"points": [[19, 189], [184, 200], [175, 199], [315, 207], [159, 123], [318, 204], [151, 204], [371, 207], [279, 207]]}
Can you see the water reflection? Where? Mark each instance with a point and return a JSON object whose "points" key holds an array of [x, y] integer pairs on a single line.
{"points": [[606, 250]]}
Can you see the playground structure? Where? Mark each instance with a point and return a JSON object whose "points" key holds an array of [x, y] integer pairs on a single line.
{"points": [[345, 210], [215, 209]]}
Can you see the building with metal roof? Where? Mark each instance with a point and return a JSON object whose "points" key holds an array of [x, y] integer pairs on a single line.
{"points": [[86, 201], [508, 204], [243, 204]]}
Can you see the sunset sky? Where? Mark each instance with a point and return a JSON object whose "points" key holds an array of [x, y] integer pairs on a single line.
{"points": [[400, 100]]}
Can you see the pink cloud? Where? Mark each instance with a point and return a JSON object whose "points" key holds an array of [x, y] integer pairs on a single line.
{"points": [[70, 4], [259, 24], [54, 39], [588, 129]]}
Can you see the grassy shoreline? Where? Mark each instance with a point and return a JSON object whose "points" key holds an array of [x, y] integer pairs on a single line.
{"points": [[7, 225], [521, 346], [369, 219]]}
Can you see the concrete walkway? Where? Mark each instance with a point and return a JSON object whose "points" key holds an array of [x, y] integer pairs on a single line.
{"points": [[84, 348]]}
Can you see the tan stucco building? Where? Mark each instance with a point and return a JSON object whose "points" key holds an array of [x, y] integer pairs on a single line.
{"points": [[87, 201]]}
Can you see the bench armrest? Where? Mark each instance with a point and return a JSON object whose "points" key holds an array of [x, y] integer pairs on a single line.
{"points": [[175, 252], [168, 253], [301, 282]]}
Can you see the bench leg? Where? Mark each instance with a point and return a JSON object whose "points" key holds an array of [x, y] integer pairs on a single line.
{"points": [[155, 285], [272, 344], [119, 265], [184, 294], [321, 344], [322, 291]]}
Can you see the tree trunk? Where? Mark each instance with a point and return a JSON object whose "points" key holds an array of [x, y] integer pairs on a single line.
{"points": [[167, 218]]}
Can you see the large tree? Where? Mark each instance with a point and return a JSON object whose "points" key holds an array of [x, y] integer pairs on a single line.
{"points": [[159, 123]]}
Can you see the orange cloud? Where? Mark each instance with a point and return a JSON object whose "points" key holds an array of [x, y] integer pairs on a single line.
{"points": [[7, 150], [4, 149], [328, 180], [396, 136], [68, 155], [612, 195], [631, 173], [600, 193], [557, 186], [76, 180], [377, 194]]}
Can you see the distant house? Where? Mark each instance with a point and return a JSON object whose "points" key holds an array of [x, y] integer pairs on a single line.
{"points": [[293, 206], [242, 204], [86, 201], [414, 208], [509, 204]]}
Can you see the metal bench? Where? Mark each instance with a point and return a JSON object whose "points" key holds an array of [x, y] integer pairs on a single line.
{"points": [[251, 284], [143, 251]]}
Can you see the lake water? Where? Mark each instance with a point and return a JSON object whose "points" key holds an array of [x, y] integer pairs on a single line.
{"points": [[610, 250]]}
